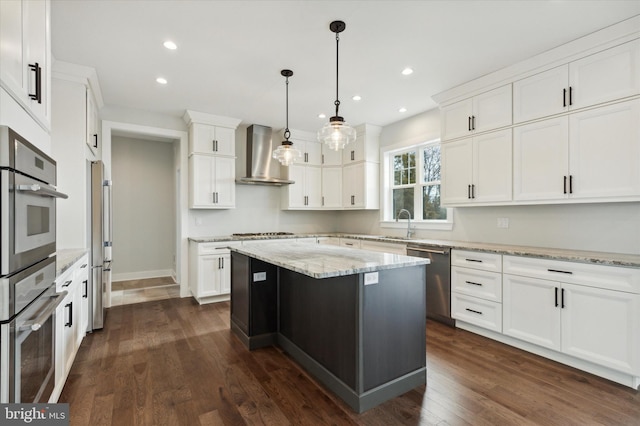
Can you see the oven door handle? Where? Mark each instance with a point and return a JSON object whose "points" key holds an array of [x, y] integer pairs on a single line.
{"points": [[41, 189], [44, 316]]}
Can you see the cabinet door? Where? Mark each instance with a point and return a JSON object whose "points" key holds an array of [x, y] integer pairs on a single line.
{"points": [[353, 186], [354, 151], [457, 171], [312, 153], [492, 109], [541, 95], [332, 187], [224, 274], [36, 47], [225, 141], [541, 160], [201, 168], [606, 76], [455, 119], [604, 151], [602, 326], [296, 191], [92, 122], [529, 310], [207, 139], [331, 157], [492, 171], [313, 185], [12, 72], [225, 182]]}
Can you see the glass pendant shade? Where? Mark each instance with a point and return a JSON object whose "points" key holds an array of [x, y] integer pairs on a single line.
{"points": [[337, 134], [286, 154]]}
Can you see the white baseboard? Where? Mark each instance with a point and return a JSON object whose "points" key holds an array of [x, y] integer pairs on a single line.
{"points": [[126, 276]]}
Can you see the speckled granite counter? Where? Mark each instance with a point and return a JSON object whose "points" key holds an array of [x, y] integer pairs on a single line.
{"points": [[325, 261], [65, 258], [603, 258]]}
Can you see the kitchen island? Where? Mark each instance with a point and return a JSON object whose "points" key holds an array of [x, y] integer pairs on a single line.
{"points": [[353, 319]]}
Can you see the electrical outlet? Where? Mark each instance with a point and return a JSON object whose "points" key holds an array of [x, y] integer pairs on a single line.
{"points": [[503, 222]]}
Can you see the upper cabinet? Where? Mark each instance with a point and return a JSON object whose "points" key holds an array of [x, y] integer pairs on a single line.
{"points": [[208, 139], [25, 49], [598, 78], [331, 157], [486, 111], [366, 147]]}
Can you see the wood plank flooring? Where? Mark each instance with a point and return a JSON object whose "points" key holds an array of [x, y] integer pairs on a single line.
{"points": [[174, 362]]}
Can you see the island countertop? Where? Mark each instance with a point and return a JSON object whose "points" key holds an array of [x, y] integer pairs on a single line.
{"points": [[325, 261]]}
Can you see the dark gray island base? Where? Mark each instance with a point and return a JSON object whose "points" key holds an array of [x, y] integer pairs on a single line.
{"points": [[360, 330]]}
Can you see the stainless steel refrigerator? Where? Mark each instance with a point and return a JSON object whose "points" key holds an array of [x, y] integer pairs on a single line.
{"points": [[101, 236]]}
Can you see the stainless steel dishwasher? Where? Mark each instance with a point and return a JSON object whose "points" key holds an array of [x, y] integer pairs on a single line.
{"points": [[438, 281]]}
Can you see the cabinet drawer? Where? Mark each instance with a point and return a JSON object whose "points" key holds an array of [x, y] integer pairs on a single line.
{"points": [[472, 282], [600, 276], [477, 260], [480, 312], [216, 248]]}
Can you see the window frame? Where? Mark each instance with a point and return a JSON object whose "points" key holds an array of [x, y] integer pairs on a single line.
{"points": [[387, 186]]}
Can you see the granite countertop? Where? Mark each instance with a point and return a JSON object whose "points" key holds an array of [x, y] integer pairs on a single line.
{"points": [[65, 258], [602, 258], [325, 261]]}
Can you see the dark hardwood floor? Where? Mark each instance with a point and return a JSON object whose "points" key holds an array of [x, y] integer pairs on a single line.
{"points": [[174, 362]]}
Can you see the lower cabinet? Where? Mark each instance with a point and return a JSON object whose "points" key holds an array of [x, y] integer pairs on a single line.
{"points": [[72, 318], [210, 271]]}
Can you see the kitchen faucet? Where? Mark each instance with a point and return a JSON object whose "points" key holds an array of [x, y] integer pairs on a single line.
{"points": [[408, 220]]}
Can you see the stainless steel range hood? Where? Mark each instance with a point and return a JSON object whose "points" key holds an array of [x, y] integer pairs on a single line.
{"points": [[262, 168]]}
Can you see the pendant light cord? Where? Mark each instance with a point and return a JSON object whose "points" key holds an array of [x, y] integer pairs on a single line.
{"points": [[287, 133], [337, 102]]}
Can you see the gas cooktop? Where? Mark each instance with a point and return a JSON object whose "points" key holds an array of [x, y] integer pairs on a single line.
{"points": [[261, 234]]}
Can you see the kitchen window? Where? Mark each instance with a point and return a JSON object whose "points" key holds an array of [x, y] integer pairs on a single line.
{"points": [[412, 182]]}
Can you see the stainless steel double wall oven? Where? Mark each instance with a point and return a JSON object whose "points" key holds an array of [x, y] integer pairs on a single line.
{"points": [[28, 299]]}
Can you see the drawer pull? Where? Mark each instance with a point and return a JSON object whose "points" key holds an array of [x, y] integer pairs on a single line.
{"points": [[472, 283], [559, 271], [67, 283], [475, 312], [474, 260]]}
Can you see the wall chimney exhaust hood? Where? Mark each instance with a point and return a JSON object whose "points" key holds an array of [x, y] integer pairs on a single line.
{"points": [[262, 169]]}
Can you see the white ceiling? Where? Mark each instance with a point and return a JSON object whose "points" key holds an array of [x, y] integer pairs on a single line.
{"points": [[230, 53]]}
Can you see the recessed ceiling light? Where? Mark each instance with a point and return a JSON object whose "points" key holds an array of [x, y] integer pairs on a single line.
{"points": [[357, 97], [407, 71], [161, 80], [403, 109], [170, 45], [322, 115]]}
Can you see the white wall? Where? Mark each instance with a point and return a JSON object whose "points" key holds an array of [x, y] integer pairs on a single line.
{"points": [[143, 208], [609, 227]]}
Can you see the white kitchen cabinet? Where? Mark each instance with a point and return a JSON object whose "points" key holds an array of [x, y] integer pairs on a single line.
{"points": [[360, 186], [590, 312], [478, 169], [331, 187], [595, 79], [208, 139], [366, 147], [383, 247], [306, 192], [92, 124], [331, 157], [26, 56], [332, 241], [311, 152], [210, 270], [486, 111], [592, 154], [476, 288], [212, 182]]}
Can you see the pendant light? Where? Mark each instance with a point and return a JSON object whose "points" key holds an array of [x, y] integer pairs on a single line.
{"points": [[286, 153], [337, 133]]}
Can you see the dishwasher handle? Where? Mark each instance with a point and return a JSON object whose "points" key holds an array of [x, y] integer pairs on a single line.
{"points": [[425, 250]]}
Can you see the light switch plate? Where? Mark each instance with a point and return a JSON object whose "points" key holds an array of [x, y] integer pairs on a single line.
{"points": [[259, 276], [370, 278]]}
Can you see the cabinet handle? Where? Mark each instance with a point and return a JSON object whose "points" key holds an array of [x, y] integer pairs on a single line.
{"points": [[475, 312], [469, 123], [306, 157], [70, 307], [213, 145], [564, 98], [472, 283], [473, 122], [95, 140], [222, 262], [560, 271], [473, 190], [562, 305], [570, 95], [474, 260], [353, 200], [38, 74], [570, 184], [86, 289], [323, 201], [67, 283], [353, 155], [556, 296], [469, 192], [322, 156], [83, 266], [565, 184]]}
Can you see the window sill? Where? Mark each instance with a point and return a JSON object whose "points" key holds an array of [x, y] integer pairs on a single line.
{"points": [[435, 225]]}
